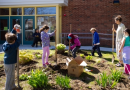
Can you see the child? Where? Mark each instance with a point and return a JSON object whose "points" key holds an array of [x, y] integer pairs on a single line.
{"points": [[37, 38], [96, 42], [10, 57], [126, 51], [75, 44], [45, 37]]}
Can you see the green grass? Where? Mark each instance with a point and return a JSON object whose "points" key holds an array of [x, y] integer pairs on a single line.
{"points": [[1, 56]]}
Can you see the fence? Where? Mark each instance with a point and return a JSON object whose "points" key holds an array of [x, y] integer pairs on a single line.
{"points": [[105, 39]]}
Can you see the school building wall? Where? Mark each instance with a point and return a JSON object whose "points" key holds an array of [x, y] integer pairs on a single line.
{"points": [[85, 14]]}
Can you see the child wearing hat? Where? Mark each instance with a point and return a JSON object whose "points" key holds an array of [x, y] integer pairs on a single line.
{"points": [[75, 44], [96, 42]]}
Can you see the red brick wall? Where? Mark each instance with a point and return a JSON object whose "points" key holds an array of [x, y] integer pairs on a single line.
{"points": [[85, 14]]}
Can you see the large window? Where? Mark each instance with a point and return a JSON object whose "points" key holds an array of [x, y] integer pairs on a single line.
{"points": [[47, 20], [4, 11], [16, 11], [29, 11], [46, 10]]}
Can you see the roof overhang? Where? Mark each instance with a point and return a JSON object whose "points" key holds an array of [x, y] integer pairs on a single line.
{"points": [[5, 3]]}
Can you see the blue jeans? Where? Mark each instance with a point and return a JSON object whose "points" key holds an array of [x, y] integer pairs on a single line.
{"points": [[74, 51], [96, 47]]}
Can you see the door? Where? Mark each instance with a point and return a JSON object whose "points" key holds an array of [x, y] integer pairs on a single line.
{"points": [[4, 26], [28, 28], [15, 20]]}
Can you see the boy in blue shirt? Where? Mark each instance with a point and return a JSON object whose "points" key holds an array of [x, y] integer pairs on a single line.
{"points": [[10, 57], [96, 42]]}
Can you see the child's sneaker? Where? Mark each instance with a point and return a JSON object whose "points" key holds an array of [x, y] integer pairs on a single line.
{"points": [[44, 65], [48, 63]]}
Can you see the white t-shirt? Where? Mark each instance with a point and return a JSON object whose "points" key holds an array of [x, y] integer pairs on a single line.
{"points": [[119, 32]]}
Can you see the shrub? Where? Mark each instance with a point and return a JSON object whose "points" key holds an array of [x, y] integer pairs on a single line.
{"points": [[82, 55], [116, 75], [23, 77], [60, 46], [105, 80], [25, 57], [38, 79], [88, 57], [63, 81]]}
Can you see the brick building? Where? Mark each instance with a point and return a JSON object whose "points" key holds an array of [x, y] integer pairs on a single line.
{"points": [[85, 14], [59, 14]]}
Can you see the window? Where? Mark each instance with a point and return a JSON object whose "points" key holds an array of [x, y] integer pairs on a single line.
{"points": [[46, 10], [29, 11], [4, 11], [47, 20], [3, 28], [16, 11]]}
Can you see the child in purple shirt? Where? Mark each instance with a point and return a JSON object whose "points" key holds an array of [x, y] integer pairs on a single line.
{"points": [[45, 37]]}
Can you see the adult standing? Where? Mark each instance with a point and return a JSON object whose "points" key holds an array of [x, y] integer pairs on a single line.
{"points": [[119, 36]]}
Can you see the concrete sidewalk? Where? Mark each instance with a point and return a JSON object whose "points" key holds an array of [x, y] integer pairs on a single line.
{"points": [[52, 47]]}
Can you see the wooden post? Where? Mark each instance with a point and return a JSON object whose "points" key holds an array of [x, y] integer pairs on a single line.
{"points": [[69, 41], [113, 39], [18, 67], [113, 58], [55, 48]]}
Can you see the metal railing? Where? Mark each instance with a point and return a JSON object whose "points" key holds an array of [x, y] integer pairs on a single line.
{"points": [[103, 36]]}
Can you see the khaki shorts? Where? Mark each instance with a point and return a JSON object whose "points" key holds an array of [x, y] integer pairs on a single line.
{"points": [[119, 54]]}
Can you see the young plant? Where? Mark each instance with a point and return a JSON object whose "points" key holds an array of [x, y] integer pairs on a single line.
{"points": [[23, 77], [25, 57], [38, 79], [89, 57], [114, 84], [98, 61], [104, 79], [82, 55], [60, 47], [98, 82], [116, 75], [38, 56], [63, 81], [109, 80]]}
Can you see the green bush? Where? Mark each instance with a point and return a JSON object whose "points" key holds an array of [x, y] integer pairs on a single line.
{"points": [[89, 57], [23, 77], [106, 80], [116, 75], [25, 57], [38, 79], [63, 81], [60, 46], [82, 55]]}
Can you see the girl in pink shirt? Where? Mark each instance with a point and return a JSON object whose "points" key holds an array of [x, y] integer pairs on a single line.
{"points": [[75, 44]]}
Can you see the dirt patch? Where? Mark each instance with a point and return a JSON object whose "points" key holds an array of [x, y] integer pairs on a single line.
{"points": [[81, 83]]}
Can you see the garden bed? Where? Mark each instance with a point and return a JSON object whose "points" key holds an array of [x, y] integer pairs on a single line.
{"points": [[87, 81]]}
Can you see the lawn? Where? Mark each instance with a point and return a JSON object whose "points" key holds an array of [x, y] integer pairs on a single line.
{"points": [[87, 81]]}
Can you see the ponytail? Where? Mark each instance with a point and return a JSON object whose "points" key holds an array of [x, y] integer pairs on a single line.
{"points": [[45, 27]]}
